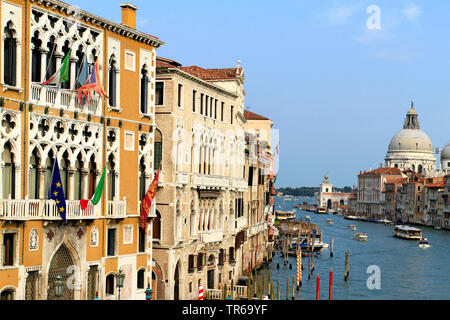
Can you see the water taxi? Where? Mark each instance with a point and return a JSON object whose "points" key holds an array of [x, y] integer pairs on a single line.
{"points": [[423, 243], [322, 210], [352, 227], [285, 215], [351, 217], [406, 232], [360, 236], [329, 221]]}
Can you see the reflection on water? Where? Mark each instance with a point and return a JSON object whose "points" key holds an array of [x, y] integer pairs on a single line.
{"points": [[407, 271]]}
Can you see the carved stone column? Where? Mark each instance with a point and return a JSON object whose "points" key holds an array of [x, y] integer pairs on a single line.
{"points": [[43, 63], [71, 189], [41, 172], [84, 183]]}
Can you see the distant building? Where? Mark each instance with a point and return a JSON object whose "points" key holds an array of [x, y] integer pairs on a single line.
{"points": [[328, 199]]}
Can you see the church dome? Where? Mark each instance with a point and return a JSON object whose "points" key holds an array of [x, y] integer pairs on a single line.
{"points": [[411, 140], [445, 153]]}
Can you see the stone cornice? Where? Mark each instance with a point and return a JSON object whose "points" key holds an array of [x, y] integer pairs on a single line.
{"points": [[165, 70], [101, 22]]}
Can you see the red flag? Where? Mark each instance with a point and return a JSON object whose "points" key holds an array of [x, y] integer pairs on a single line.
{"points": [[93, 82], [84, 204], [147, 201]]}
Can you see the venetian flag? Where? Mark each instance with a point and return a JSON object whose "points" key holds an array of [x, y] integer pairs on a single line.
{"points": [[147, 201], [94, 83], [56, 192], [84, 73], [97, 194], [62, 75]]}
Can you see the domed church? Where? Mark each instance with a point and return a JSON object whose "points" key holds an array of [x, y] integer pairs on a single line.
{"points": [[445, 159], [411, 148]]}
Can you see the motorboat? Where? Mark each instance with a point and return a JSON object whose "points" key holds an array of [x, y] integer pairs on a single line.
{"points": [[308, 218], [285, 215], [352, 227], [329, 221], [351, 217], [322, 210], [406, 232], [423, 243], [385, 221], [360, 236]]}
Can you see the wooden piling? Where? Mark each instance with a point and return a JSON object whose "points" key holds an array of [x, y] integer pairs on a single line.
{"points": [[331, 248], [318, 287], [346, 266], [293, 287], [278, 289], [287, 288], [330, 293]]}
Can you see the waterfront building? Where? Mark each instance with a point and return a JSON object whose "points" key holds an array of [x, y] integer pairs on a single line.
{"points": [[258, 199], [329, 199], [201, 221], [42, 123], [372, 191], [392, 186], [446, 197], [434, 202]]}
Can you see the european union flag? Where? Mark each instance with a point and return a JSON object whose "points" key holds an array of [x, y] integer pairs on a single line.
{"points": [[56, 192]]}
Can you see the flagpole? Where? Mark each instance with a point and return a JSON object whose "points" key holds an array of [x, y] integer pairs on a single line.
{"points": [[48, 65]]}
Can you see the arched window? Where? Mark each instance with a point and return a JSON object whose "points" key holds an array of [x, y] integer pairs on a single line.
{"points": [[157, 226], [78, 180], [34, 176], [140, 279], [92, 173], [158, 149], [142, 179], [51, 58], [9, 173], [144, 90], [110, 284], [79, 64], [65, 50], [111, 178], [9, 55], [112, 81], [420, 169], [36, 58], [64, 170], [49, 162], [7, 294]]}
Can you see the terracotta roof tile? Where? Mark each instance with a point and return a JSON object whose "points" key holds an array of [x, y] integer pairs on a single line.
{"points": [[212, 74], [253, 116], [385, 171]]}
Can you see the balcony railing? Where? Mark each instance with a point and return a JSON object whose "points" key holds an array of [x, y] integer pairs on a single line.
{"points": [[51, 96], [117, 209], [45, 210], [211, 236], [257, 228], [241, 223], [210, 181], [182, 178], [240, 184]]}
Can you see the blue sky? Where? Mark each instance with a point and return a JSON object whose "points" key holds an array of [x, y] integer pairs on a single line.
{"points": [[336, 90]]}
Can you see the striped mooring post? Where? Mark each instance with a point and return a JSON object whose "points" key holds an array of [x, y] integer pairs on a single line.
{"points": [[200, 292], [299, 269]]}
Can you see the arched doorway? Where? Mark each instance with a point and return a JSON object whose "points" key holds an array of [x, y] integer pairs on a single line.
{"points": [[59, 265], [176, 286], [158, 291], [329, 204]]}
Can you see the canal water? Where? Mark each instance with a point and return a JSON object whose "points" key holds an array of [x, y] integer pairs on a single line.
{"points": [[407, 272]]}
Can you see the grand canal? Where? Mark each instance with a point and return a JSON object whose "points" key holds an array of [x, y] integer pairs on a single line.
{"points": [[407, 271]]}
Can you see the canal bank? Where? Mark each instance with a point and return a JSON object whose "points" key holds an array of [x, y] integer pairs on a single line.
{"points": [[406, 271]]}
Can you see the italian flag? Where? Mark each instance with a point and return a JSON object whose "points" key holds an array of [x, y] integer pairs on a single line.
{"points": [[97, 194], [62, 75]]}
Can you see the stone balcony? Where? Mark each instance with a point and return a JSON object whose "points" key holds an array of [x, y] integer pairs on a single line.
{"points": [[182, 178], [240, 223], [239, 184], [24, 210], [66, 99], [211, 236], [257, 228], [210, 181], [117, 209]]}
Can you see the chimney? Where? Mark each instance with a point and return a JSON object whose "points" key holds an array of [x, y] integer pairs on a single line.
{"points": [[129, 15]]}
